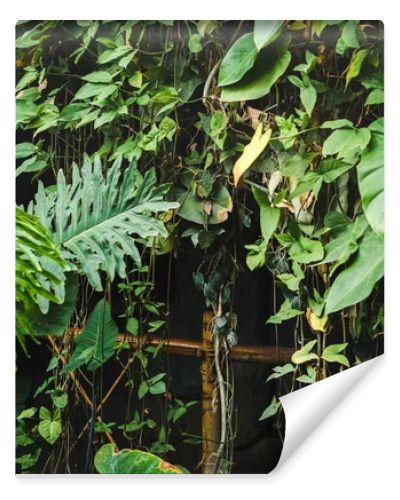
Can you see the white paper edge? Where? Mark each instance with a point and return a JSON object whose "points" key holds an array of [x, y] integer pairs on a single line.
{"points": [[306, 408]]}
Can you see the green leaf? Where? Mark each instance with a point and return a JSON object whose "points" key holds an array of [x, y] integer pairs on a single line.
{"points": [[255, 258], [195, 43], [292, 281], [89, 90], [192, 207], [332, 354], [304, 355], [357, 281], [238, 60], [28, 78], [158, 388], [24, 149], [355, 65], [96, 343], [112, 54], [280, 371], [136, 80], [266, 32], [39, 271], [50, 425], [27, 413], [285, 312], [306, 250], [334, 124], [308, 97], [95, 216], [258, 82], [108, 461], [132, 326], [347, 143], [271, 410], [375, 97], [98, 77], [371, 178], [269, 216], [58, 316]]}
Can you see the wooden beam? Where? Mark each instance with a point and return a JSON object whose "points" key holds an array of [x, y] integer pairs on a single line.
{"points": [[186, 347]]}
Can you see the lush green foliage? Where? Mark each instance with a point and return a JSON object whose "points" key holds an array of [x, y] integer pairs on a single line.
{"points": [[262, 143]]}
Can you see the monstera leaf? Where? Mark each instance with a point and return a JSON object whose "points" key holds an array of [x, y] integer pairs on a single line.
{"points": [[108, 461], [96, 217]]}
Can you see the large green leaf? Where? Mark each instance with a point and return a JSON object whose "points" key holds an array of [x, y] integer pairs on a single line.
{"points": [[371, 178], [39, 272], [266, 32], [193, 208], [347, 143], [96, 343], [238, 60], [108, 461], [95, 217], [270, 65], [355, 283], [59, 315]]}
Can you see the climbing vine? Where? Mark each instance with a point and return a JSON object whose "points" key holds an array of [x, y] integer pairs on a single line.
{"points": [[261, 143]]}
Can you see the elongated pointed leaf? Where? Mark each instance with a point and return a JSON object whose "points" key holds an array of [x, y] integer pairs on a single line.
{"points": [[238, 60], [355, 283], [371, 178], [97, 341]]}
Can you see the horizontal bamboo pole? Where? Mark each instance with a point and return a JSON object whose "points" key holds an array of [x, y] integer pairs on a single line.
{"points": [[186, 347]]}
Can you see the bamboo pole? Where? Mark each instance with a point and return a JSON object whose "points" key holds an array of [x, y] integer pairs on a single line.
{"points": [[187, 347], [210, 406]]}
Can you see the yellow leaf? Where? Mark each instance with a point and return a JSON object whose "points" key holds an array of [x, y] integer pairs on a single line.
{"points": [[251, 152], [317, 324]]}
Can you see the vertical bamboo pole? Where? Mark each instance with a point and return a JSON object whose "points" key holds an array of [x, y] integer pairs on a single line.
{"points": [[210, 407]]}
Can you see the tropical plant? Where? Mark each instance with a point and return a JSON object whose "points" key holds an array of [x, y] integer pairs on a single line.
{"points": [[259, 142]]}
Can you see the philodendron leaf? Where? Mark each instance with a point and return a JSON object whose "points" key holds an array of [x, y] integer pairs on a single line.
{"points": [[238, 60], [97, 341], [308, 97], [270, 65], [357, 281], [108, 461], [271, 410], [266, 32], [50, 425], [194, 208], [269, 216], [285, 312], [347, 143], [280, 371], [371, 178], [332, 354], [98, 216], [251, 152], [355, 65], [306, 250], [304, 355]]}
